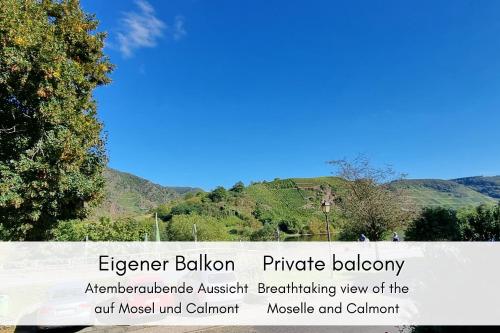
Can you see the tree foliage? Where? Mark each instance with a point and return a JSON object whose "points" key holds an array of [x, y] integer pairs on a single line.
{"points": [[218, 195], [434, 224], [180, 228], [103, 230], [52, 152], [441, 224], [291, 225], [268, 232], [368, 204], [482, 224], [186, 208], [238, 187]]}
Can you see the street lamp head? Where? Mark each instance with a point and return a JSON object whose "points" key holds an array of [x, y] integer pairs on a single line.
{"points": [[325, 206]]}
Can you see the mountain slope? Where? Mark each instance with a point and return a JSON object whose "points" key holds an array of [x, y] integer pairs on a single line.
{"points": [[489, 186], [293, 203], [305, 194], [127, 194], [445, 193], [293, 197]]}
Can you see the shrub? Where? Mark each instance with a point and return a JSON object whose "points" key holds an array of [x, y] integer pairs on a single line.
{"points": [[434, 224], [482, 224], [238, 187], [316, 226], [103, 230], [218, 195], [291, 225], [163, 211], [208, 228], [266, 233], [186, 208]]}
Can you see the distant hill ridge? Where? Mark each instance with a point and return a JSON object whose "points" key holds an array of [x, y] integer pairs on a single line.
{"points": [[128, 194], [454, 193], [489, 186]]}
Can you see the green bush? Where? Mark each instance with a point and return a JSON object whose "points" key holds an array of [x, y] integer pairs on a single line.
{"points": [[186, 208], [266, 233], [163, 211], [441, 224], [103, 230], [291, 225], [208, 228], [238, 187], [262, 214], [4, 235], [482, 224], [218, 195], [434, 224]]}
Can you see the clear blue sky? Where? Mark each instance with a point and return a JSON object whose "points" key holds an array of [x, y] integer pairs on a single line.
{"points": [[207, 93]]}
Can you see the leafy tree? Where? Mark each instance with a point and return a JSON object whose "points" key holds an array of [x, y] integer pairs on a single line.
{"points": [[291, 225], [262, 214], [218, 195], [208, 228], [266, 233], [103, 230], [316, 226], [434, 224], [51, 150], [482, 224], [163, 211], [238, 187], [185, 208], [369, 205]]}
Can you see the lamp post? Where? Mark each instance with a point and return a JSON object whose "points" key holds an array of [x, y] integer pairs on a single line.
{"points": [[325, 207]]}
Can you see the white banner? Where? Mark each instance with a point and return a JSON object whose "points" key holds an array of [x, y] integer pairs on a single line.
{"points": [[249, 283]]}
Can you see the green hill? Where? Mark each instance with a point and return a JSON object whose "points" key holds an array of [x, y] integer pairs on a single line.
{"points": [[127, 194], [446, 193], [303, 193], [489, 186], [294, 204], [296, 198], [299, 198]]}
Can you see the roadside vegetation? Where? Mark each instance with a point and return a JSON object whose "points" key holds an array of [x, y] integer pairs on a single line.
{"points": [[481, 223]]}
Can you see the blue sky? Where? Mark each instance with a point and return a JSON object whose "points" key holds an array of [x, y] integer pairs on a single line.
{"points": [[208, 93]]}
